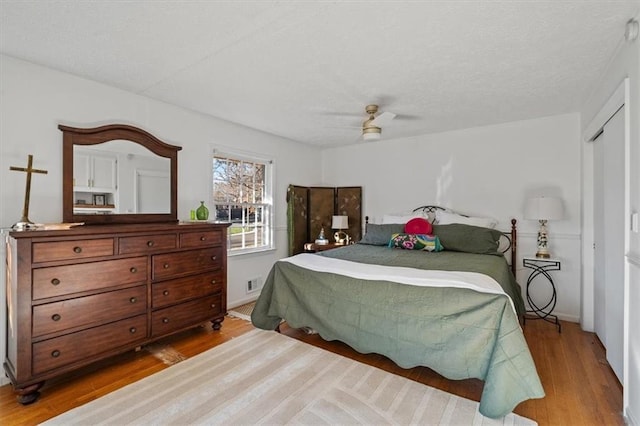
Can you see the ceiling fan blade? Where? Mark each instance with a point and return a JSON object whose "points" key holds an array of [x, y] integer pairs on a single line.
{"points": [[383, 119], [409, 117], [344, 127]]}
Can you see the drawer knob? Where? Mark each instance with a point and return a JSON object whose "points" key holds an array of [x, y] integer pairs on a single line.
{"points": [[133, 270], [150, 243], [133, 300], [77, 249], [165, 320], [56, 317], [55, 281], [213, 281], [55, 353], [203, 238], [214, 257], [165, 266], [213, 305], [132, 330], [165, 293]]}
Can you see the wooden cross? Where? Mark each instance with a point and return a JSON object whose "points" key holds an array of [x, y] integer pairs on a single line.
{"points": [[25, 223]]}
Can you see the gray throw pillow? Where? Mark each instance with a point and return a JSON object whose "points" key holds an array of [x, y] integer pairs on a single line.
{"points": [[468, 238], [379, 235]]}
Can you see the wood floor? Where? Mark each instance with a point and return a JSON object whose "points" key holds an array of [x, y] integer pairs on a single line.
{"points": [[580, 387]]}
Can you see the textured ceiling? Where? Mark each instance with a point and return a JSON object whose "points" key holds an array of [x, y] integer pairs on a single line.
{"points": [[306, 70]]}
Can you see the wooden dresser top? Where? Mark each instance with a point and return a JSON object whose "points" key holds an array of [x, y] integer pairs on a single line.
{"points": [[83, 230]]}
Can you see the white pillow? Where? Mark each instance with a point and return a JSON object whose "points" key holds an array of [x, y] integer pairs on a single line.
{"points": [[446, 218], [400, 217]]}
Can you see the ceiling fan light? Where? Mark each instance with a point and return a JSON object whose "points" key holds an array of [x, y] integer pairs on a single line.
{"points": [[371, 136]]}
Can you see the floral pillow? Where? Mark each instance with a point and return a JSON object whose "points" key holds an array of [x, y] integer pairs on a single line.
{"points": [[415, 242]]}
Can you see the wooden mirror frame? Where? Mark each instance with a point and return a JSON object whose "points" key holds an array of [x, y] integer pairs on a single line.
{"points": [[73, 136]]}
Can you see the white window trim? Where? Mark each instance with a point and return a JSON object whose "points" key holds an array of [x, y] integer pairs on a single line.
{"points": [[222, 151]]}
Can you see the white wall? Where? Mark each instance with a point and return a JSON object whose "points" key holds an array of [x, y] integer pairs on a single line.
{"points": [[34, 100], [626, 63], [486, 171]]}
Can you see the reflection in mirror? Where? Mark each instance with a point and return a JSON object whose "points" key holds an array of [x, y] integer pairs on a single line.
{"points": [[120, 177], [118, 174]]}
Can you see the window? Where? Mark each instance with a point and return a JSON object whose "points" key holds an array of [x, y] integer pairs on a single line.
{"points": [[242, 195]]}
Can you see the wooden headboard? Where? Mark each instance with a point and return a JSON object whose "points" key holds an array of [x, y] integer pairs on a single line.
{"points": [[509, 249]]}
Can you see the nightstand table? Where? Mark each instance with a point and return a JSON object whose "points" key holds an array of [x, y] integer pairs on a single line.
{"points": [[314, 248], [542, 267]]}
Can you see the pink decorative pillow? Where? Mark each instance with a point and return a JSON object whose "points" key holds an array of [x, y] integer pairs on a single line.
{"points": [[418, 225]]}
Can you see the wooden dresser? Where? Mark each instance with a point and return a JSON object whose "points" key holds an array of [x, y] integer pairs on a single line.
{"points": [[80, 295]]}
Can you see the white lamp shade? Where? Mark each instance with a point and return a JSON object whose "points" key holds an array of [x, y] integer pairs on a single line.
{"points": [[340, 222], [544, 208]]}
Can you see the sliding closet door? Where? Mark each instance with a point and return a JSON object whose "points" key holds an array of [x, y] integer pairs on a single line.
{"points": [[609, 234], [600, 292]]}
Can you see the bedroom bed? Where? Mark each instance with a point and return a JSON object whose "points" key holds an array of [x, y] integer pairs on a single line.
{"points": [[455, 311]]}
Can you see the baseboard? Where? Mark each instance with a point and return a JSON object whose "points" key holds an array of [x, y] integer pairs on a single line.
{"points": [[4, 381], [241, 302], [569, 318], [564, 317]]}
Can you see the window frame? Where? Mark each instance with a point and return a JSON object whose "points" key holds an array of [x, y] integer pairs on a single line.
{"points": [[268, 198]]}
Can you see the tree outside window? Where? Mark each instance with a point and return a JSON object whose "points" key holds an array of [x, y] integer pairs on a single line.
{"points": [[242, 196]]}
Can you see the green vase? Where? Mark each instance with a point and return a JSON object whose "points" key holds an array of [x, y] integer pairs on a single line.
{"points": [[202, 212]]}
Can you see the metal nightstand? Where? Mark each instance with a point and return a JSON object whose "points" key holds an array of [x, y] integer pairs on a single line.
{"points": [[542, 267]]}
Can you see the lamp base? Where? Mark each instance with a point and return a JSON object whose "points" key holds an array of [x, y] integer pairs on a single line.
{"points": [[543, 242], [24, 225], [341, 238]]}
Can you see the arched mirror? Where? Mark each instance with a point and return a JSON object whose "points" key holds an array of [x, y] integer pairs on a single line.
{"points": [[118, 174]]}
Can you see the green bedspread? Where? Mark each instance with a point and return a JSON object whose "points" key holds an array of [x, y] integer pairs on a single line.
{"points": [[494, 266], [459, 333]]}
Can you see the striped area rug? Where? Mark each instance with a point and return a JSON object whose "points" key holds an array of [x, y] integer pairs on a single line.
{"points": [[263, 377]]}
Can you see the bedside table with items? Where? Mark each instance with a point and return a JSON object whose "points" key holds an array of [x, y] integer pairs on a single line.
{"points": [[314, 248], [542, 267]]}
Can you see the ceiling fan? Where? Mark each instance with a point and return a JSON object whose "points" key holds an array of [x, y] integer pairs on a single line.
{"points": [[372, 127]]}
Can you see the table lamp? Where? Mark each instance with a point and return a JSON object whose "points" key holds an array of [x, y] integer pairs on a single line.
{"points": [[543, 209], [340, 223]]}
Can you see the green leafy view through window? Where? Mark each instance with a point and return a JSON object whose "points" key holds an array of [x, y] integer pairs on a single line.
{"points": [[242, 196]]}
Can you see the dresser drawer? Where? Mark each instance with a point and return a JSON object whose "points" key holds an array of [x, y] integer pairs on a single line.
{"points": [[146, 243], [185, 315], [62, 280], [58, 352], [186, 263], [174, 291], [82, 311], [201, 238], [70, 250]]}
